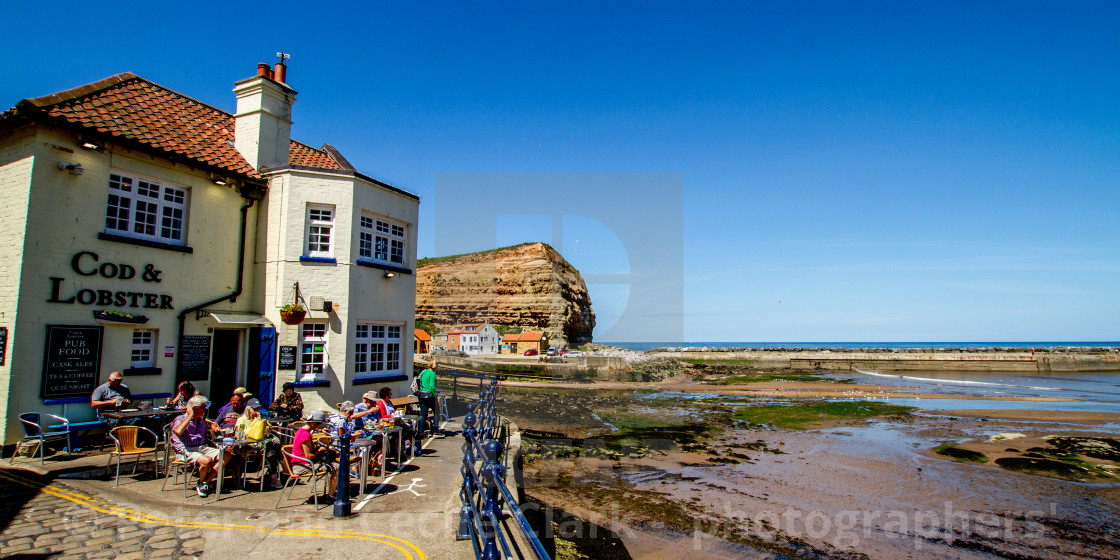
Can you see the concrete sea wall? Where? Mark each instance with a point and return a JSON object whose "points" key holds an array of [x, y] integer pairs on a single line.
{"points": [[1020, 360]]}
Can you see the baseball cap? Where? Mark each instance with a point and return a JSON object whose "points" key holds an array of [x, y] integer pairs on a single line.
{"points": [[317, 416], [253, 403]]}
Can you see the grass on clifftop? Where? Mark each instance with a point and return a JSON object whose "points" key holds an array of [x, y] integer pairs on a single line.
{"points": [[800, 416]]}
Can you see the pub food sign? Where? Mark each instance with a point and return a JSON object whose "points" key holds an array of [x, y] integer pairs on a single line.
{"points": [[73, 361]]}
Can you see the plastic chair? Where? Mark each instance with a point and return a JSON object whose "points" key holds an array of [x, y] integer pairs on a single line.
{"points": [[300, 471], [33, 429], [125, 439]]}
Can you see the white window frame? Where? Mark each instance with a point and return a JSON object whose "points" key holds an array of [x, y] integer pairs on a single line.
{"points": [[377, 348], [165, 206], [382, 240], [313, 333], [319, 223], [144, 343]]}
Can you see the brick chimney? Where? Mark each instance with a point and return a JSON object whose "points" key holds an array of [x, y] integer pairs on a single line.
{"points": [[263, 119]]}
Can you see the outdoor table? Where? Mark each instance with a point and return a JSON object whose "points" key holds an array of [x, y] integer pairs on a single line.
{"points": [[223, 446], [154, 413], [364, 446]]}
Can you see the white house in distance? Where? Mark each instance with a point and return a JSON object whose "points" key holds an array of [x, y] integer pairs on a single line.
{"points": [[150, 233], [476, 338]]}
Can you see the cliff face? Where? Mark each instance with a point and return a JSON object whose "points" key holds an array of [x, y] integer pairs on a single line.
{"points": [[530, 286]]}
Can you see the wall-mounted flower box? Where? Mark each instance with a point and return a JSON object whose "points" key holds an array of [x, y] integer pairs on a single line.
{"points": [[110, 317]]}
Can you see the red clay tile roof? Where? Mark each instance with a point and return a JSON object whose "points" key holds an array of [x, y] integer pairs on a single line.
{"points": [[131, 110], [531, 336], [422, 335]]}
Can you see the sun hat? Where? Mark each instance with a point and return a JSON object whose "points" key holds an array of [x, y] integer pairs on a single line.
{"points": [[370, 395], [317, 416]]}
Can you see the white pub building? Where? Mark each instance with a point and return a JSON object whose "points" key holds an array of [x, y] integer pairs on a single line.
{"points": [[147, 232]]}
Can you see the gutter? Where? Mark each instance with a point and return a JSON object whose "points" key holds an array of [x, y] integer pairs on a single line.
{"points": [[232, 297]]}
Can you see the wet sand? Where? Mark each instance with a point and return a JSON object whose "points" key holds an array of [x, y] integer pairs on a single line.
{"points": [[776, 389], [1036, 415], [866, 489]]}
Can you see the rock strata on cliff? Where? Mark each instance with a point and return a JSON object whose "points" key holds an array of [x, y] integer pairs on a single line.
{"points": [[530, 286]]}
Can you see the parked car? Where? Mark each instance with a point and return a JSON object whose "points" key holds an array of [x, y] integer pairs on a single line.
{"points": [[552, 350], [531, 352], [575, 354], [563, 351]]}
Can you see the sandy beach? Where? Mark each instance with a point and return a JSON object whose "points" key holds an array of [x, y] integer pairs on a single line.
{"points": [[842, 489]]}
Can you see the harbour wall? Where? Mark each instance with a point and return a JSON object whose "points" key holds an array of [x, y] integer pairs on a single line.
{"points": [[1010, 360]]}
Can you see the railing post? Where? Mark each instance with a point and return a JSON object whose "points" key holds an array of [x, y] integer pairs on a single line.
{"points": [[468, 488], [491, 475]]}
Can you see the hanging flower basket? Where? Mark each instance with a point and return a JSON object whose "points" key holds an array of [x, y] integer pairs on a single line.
{"points": [[292, 316]]}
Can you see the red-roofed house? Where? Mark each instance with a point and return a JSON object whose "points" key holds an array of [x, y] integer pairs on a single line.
{"points": [[155, 234], [423, 341], [519, 343]]}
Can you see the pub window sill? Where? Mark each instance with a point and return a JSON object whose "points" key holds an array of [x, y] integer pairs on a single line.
{"points": [[312, 383], [383, 266], [327, 260], [380, 379], [144, 242]]}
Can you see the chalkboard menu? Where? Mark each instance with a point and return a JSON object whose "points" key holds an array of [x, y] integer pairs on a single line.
{"points": [[287, 358], [3, 344], [72, 361], [194, 358]]}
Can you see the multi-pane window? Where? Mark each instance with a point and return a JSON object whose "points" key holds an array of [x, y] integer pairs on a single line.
{"points": [[143, 348], [381, 240], [145, 209], [320, 226], [313, 347], [377, 348]]}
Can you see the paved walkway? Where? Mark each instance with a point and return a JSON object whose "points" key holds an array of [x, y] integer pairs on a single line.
{"points": [[70, 510]]}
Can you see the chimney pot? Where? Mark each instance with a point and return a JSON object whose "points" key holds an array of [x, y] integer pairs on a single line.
{"points": [[262, 69], [281, 71]]}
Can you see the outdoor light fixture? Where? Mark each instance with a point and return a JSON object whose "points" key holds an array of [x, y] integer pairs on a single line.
{"points": [[91, 146], [73, 168], [390, 274], [220, 182]]}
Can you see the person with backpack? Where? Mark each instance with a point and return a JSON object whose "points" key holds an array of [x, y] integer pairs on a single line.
{"points": [[424, 387]]}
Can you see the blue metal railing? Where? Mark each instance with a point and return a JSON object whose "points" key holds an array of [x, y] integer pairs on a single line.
{"points": [[484, 489]]}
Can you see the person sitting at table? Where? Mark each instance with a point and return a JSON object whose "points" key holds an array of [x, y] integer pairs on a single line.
{"points": [[310, 454], [385, 407], [341, 419], [288, 403], [229, 413], [189, 433], [110, 395], [365, 408], [184, 392], [250, 426]]}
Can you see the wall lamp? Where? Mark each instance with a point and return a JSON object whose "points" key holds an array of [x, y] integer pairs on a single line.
{"points": [[73, 168], [93, 146], [390, 274], [220, 182]]}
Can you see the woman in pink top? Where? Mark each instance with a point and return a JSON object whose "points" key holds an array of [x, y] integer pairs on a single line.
{"points": [[310, 454]]}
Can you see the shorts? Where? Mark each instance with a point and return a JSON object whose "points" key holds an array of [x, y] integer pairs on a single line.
{"points": [[193, 454]]}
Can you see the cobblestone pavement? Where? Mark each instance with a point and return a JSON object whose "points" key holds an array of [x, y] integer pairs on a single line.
{"points": [[60, 523]]}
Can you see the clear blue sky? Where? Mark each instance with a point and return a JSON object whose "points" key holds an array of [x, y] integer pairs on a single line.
{"points": [[851, 171]]}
